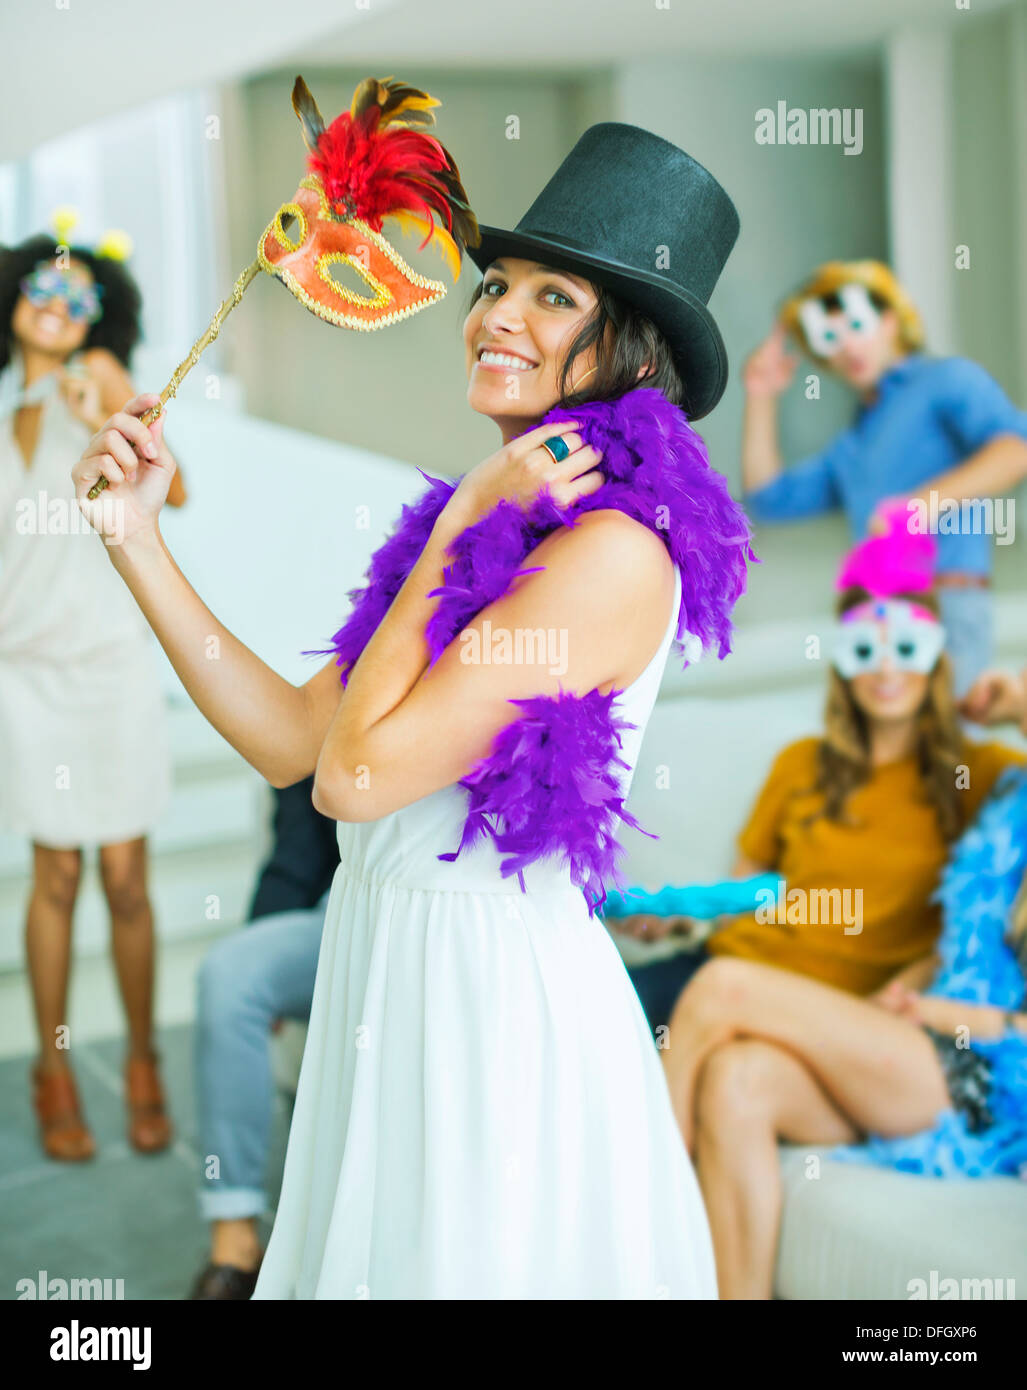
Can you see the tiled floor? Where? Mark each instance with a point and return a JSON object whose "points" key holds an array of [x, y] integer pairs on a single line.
{"points": [[122, 1215]]}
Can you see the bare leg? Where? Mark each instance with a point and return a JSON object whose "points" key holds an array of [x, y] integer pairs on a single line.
{"points": [[879, 1069], [56, 875], [751, 1094], [123, 872]]}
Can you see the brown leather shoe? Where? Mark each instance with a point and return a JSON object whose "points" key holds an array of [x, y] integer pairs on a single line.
{"points": [[149, 1129], [63, 1131]]}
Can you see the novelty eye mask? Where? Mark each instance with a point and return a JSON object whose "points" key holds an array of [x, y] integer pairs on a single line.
{"points": [[822, 326], [48, 282], [906, 632]]}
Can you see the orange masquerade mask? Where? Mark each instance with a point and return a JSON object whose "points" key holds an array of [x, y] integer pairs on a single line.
{"points": [[374, 161], [305, 241]]}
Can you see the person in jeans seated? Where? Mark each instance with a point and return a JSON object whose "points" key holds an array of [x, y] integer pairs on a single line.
{"points": [[248, 981]]}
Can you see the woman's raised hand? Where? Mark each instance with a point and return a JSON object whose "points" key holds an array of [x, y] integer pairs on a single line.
{"points": [[520, 470], [996, 697], [138, 467], [81, 391], [769, 369]]}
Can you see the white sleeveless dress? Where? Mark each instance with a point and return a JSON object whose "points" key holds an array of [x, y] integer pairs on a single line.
{"points": [[481, 1110], [84, 748]]}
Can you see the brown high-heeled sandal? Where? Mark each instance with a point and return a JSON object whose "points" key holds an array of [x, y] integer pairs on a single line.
{"points": [[63, 1130], [149, 1129]]}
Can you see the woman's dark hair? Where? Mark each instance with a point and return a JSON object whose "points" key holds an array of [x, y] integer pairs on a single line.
{"points": [[119, 329], [637, 341]]}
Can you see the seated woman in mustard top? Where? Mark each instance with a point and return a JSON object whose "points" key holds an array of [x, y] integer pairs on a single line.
{"points": [[858, 822], [767, 1041], [869, 811]]}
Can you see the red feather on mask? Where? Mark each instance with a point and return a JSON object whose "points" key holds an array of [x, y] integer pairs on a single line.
{"points": [[373, 162]]}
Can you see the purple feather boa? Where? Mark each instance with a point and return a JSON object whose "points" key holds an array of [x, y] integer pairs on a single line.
{"points": [[549, 786]]}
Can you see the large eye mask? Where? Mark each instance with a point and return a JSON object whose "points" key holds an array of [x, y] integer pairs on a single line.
{"points": [[907, 633], [823, 328], [81, 296], [306, 241]]}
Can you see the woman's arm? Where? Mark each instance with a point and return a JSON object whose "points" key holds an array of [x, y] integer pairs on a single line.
{"points": [[767, 372], [997, 468], [591, 619], [271, 722], [950, 1015], [900, 996]]}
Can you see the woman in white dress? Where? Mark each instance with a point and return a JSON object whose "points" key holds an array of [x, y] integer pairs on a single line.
{"points": [[481, 1112], [74, 648]]}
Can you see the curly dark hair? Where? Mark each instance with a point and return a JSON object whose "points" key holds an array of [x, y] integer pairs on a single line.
{"points": [[120, 328], [637, 341]]}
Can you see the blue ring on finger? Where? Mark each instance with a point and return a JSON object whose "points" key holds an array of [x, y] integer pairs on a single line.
{"points": [[557, 447]]}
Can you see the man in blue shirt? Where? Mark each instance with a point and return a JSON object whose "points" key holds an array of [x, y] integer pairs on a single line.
{"points": [[937, 432]]}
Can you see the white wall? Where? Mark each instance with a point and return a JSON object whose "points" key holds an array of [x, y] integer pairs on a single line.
{"points": [[799, 205]]}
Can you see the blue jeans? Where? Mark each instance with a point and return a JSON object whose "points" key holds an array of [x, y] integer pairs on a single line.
{"points": [[658, 985], [968, 616], [264, 972]]}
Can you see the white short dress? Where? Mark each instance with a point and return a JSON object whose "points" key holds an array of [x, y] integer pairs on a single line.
{"points": [[481, 1110], [83, 731]]}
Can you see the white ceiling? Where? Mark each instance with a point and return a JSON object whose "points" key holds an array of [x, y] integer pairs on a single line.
{"points": [[584, 33], [63, 67]]}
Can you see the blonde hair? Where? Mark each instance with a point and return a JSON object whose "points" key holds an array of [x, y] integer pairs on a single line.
{"points": [[876, 278], [843, 755]]}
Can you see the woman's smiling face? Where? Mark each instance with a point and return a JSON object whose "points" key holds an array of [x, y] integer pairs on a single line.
{"points": [[516, 337], [47, 327]]}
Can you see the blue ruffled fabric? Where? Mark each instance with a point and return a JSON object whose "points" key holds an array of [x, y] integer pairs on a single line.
{"points": [[703, 901], [977, 892]]}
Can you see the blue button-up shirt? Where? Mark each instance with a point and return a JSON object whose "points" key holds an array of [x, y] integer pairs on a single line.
{"points": [[930, 414]]}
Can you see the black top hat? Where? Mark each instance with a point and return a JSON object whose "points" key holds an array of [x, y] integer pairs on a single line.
{"points": [[636, 214]]}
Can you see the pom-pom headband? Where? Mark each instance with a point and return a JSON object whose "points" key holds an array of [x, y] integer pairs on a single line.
{"points": [[114, 245]]}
